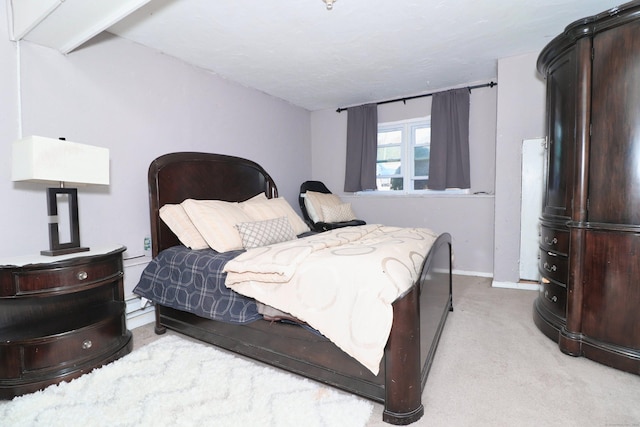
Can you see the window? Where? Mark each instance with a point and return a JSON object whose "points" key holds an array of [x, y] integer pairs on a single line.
{"points": [[402, 162]]}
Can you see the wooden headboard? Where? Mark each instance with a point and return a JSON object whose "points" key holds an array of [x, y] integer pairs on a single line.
{"points": [[176, 177]]}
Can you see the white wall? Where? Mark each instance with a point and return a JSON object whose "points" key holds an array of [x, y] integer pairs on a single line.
{"points": [[140, 104], [521, 115], [8, 131], [468, 218], [485, 230]]}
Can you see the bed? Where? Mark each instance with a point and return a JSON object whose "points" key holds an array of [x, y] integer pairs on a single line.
{"points": [[419, 314]]}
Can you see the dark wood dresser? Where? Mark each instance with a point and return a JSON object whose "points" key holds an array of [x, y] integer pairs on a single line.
{"points": [[60, 317], [590, 224]]}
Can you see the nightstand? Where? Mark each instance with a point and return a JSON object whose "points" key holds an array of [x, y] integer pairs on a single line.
{"points": [[60, 317]]}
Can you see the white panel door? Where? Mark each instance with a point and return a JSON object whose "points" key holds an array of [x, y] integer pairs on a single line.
{"points": [[531, 206]]}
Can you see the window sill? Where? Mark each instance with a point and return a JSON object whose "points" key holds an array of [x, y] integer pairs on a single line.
{"points": [[406, 195]]}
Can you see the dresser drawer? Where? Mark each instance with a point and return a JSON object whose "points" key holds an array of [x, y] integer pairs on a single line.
{"points": [[554, 266], [72, 348], [554, 240], [66, 279], [554, 297]]}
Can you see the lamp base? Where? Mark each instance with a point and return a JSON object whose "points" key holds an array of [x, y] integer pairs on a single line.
{"points": [[56, 252], [55, 247]]}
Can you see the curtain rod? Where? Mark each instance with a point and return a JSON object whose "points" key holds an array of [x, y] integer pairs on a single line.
{"points": [[406, 98]]}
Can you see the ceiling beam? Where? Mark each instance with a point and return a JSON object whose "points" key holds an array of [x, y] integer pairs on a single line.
{"points": [[65, 24]]}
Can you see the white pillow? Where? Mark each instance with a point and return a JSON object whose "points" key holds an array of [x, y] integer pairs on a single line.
{"points": [[318, 200], [263, 233], [216, 221], [339, 213], [178, 221], [257, 198], [310, 209], [260, 209]]}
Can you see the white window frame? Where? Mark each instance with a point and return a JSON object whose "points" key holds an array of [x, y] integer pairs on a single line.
{"points": [[406, 158]]}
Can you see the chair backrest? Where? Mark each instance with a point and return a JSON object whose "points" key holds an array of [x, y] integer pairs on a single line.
{"points": [[316, 186], [319, 187]]}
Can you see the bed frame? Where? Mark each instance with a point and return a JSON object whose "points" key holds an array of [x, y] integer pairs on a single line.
{"points": [[419, 315]]}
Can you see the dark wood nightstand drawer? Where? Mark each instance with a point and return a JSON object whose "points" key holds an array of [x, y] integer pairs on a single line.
{"points": [[74, 347], [9, 361], [66, 279], [554, 266]]}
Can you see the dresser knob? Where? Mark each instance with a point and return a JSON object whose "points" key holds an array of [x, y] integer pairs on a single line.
{"points": [[86, 344], [82, 275], [553, 298]]}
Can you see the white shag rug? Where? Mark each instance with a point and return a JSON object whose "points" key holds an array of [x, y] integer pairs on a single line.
{"points": [[176, 382]]}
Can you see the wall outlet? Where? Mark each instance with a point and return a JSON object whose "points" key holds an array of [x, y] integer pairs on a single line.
{"points": [[147, 245]]}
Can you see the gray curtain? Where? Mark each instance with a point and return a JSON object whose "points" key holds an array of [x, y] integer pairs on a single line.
{"points": [[362, 148], [449, 159]]}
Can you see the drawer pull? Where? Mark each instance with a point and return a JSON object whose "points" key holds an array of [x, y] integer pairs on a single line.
{"points": [[82, 275], [549, 268], [86, 344], [553, 298], [550, 242]]}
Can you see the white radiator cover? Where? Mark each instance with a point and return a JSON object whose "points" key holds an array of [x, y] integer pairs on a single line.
{"points": [[138, 312]]}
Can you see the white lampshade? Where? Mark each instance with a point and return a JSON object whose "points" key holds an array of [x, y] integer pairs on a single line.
{"points": [[37, 158]]}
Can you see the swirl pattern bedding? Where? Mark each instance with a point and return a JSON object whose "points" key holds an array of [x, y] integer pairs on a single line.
{"points": [[341, 282]]}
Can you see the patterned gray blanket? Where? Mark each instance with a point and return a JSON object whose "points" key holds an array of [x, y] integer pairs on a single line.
{"points": [[193, 281]]}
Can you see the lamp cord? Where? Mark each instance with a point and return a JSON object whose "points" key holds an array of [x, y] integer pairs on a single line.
{"points": [[19, 84]]}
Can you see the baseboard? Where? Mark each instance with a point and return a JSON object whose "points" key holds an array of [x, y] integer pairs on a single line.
{"points": [[471, 273], [138, 314], [526, 286], [140, 318]]}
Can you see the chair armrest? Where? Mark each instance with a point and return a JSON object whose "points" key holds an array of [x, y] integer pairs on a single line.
{"points": [[325, 226]]}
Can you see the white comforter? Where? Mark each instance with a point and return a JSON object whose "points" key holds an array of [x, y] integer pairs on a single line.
{"points": [[341, 282]]}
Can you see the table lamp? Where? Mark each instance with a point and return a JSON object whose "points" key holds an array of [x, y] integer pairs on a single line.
{"points": [[40, 159]]}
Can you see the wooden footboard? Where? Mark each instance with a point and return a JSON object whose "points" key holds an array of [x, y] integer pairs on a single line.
{"points": [[419, 318]]}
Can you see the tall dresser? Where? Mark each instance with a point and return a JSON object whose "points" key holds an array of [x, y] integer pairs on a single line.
{"points": [[590, 225]]}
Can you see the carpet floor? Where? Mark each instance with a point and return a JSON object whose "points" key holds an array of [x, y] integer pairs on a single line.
{"points": [[493, 368], [177, 382]]}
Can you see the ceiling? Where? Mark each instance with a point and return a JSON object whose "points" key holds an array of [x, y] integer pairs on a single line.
{"points": [[360, 51]]}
